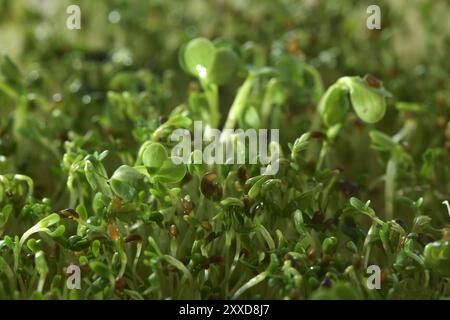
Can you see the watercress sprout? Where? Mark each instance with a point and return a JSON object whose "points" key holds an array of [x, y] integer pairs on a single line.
{"points": [[367, 99], [42, 226]]}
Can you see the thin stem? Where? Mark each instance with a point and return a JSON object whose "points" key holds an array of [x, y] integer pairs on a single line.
{"points": [[391, 172], [251, 283], [41, 283], [448, 206], [28, 181], [236, 255], [322, 155], [123, 258], [239, 103], [227, 269], [212, 96], [228, 239], [407, 129], [268, 101]]}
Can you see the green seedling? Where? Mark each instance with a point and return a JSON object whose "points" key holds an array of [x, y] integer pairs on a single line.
{"points": [[212, 65], [42, 226], [366, 96]]}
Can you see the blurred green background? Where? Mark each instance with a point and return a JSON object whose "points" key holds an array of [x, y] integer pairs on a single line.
{"points": [[331, 35]]}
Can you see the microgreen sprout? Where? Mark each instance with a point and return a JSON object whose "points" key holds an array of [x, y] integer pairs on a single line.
{"points": [[42, 226]]}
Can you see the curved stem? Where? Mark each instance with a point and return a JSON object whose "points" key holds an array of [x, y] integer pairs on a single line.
{"points": [[251, 283], [269, 102], [448, 206], [239, 102]]}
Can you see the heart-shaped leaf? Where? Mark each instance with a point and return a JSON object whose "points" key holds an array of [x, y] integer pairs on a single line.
{"points": [[225, 66], [154, 156], [124, 182], [437, 257], [334, 105], [199, 57], [368, 103], [171, 172]]}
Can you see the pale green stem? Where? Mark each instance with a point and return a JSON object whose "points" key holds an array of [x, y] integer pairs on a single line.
{"points": [[448, 206], [267, 237], [228, 239], [41, 283], [267, 103], [123, 259], [28, 181], [389, 192], [239, 103], [236, 255], [251, 283], [212, 96], [138, 254], [322, 155], [407, 129]]}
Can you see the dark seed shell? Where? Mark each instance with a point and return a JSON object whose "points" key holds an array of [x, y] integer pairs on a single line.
{"points": [[121, 284], [210, 186], [372, 81], [69, 213], [133, 238]]}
